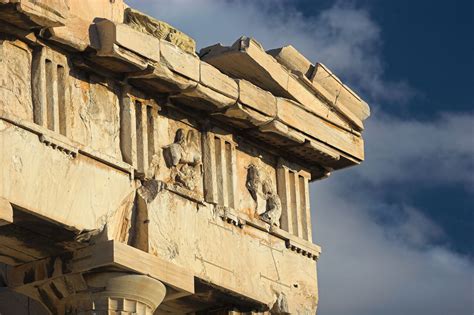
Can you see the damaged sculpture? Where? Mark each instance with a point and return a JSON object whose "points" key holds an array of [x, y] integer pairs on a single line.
{"points": [[268, 203], [184, 159]]}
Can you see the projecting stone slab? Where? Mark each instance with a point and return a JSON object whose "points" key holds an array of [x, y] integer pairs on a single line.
{"points": [[34, 14], [204, 98], [257, 98], [294, 115], [343, 111], [246, 59], [290, 136], [346, 102], [216, 80], [161, 79], [292, 59], [180, 61], [341, 94], [159, 29], [113, 34], [78, 32], [306, 97], [242, 116]]}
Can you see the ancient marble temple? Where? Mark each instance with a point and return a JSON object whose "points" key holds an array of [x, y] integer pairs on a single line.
{"points": [[141, 177]]}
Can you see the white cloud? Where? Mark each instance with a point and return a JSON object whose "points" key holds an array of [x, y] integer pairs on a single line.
{"points": [[434, 152], [398, 267], [366, 267]]}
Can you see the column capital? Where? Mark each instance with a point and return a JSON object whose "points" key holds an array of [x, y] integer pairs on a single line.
{"points": [[100, 293]]}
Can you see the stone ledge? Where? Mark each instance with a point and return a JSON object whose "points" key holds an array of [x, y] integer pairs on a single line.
{"points": [[64, 144], [38, 14], [111, 34], [57, 144], [294, 243], [246, 59], [110, 254], [185, 193], [297, 244]]}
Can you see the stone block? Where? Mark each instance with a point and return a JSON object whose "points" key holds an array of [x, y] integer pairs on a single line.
{"points": [[94, 10], [290, 135], [159, 29], [216, 80], [292, 59], [180, 61], [296, 116], [306, 97], [34, 14], [341, 94], [75, 34], [113, 34], [247, 115], [82, 192], [256, 98], [246, 59], [324, 95], [204, 98], [162, 79], [15, 79], [78, 31]]}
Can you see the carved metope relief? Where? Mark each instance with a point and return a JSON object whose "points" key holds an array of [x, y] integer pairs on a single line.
{"points": [[220, 174], [138, 134], [268, 203], [183, 157], [50, 89], [293, 188]]}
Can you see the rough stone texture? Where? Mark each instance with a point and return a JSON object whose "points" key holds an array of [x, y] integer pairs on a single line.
{"points": [[94, 114], [283, 76], [139, 176], [36, 14], [289, 57], [342, 94], [101, 189], [180, 61], [216, 80], [77, 33], [159, 29], [111, 34], [15, 79]]}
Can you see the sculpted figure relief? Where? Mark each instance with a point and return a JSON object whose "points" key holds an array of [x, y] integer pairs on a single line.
{"points": [[253, 180], [268, 203], [184, 159]]}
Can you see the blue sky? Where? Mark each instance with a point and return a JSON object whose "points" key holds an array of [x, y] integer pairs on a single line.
{"points": [[396, 231]]}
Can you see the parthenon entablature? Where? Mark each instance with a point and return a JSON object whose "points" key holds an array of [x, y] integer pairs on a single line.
{"points": [[143, 177]]}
